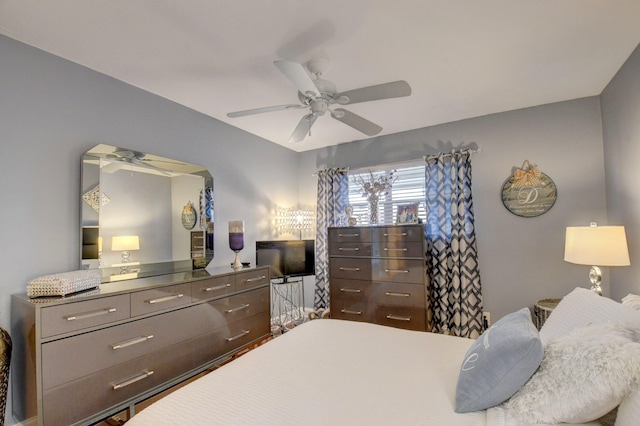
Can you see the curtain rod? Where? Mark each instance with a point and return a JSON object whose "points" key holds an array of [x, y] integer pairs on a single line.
{"points": [[453, 151]]}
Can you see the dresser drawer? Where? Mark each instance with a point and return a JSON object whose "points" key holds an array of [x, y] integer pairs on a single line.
{"points": [[400, 317], [347, 309], [239, 307], [398, 233], [251, 279], [397, 294], [213, 287], [398, 270], [351, 290], [350, 249], [68, 359], [79, 315], [399, 249], [77, 400], [350, 268], [157, 299], [349, 235]]}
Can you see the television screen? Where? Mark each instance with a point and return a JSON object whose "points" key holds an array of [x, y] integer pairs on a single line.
{"points": [[290, 258]]}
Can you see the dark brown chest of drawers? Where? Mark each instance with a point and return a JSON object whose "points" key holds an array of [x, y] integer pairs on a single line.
{"points": [[377, 274], [81, 359]]}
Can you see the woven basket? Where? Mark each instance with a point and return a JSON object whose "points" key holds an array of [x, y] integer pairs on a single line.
{"points": [[542, 309]]}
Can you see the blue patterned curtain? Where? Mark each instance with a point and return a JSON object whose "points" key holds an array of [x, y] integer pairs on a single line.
{"points": [[333, 196], [452, 256]]}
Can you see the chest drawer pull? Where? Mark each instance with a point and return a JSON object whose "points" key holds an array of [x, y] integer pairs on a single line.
{"points": [[399, 318], [220, 287], [403, 234], [347, 311], [165, 299], [350, 290], [344, 268], [237, 336], [396, 294], [132, 380], [396, 271], [252, 280], [395, 249], [131, 342], [239, 308], [355, 235], [349, 249], [90, 314]]}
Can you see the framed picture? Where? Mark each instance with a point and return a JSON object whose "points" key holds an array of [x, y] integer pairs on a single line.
{"points": [[407, 213]]}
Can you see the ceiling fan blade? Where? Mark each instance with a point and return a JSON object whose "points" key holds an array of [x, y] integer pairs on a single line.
{"points": [[299, 77], [395, 89], [303, 127], [357, 122], [264, 109]]}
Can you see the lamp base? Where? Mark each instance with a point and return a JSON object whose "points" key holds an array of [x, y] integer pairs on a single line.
{"points": [[595, 275]]}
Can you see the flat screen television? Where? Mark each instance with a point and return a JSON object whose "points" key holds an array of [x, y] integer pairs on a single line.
{"points": [[287, 258]]}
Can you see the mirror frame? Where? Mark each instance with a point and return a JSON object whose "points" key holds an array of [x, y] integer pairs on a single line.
{"points": [[103, 159]]}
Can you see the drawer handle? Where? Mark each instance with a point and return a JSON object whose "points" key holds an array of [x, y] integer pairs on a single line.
{"points": [[395, 249], [396, 271], [396, 317], [404, 234], [131, 342], [350, 290], [132, 380], [220, 287], [347, 311], [90, 314], [344, 268], [349, 235], [250, 280], [395, 294], [349, 249], [237, 336], [165, 299], [239, 308]]}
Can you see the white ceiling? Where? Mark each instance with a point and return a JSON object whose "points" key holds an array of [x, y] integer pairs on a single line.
{"points": [[463, 58]]}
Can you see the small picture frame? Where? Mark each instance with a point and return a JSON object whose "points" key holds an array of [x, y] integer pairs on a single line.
{"points": [[407, 213]]}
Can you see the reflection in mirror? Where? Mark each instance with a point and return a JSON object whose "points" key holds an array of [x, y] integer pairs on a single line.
{"points": [[144, 215]]}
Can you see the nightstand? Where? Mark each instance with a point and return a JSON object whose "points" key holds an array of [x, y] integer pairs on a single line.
{"points": [[542, 309]]}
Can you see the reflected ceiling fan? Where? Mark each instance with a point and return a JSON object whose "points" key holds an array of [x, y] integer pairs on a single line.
{"points": [[136, 158], [318, 95]]}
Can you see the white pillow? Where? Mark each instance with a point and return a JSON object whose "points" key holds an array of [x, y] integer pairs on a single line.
{"points": [[629, 410], [632, 301], [582, 307], [584, 375]]}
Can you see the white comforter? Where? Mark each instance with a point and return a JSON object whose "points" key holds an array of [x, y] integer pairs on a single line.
{"points": [[330, 372]]}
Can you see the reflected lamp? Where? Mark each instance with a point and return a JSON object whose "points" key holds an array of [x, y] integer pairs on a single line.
{"points": [[125, 244]]}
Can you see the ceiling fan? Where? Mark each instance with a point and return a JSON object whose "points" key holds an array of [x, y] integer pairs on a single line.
{"points": [[318, 95], [132, 157]]}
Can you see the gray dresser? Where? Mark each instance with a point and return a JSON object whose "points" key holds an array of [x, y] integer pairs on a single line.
{"points": [[80, 359], [377, 274]]}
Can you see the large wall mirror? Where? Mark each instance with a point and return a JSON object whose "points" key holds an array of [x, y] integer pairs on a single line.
{"points": [[144, 215]]}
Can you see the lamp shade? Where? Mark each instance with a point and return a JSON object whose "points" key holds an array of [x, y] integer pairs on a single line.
{"points": [[125, 243], [596, 245]]}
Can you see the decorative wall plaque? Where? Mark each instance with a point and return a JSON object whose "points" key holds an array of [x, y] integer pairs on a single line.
{"points": [[528, 192]]}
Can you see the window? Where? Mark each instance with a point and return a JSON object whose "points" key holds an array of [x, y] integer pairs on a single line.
{"points": [[408, 188]]}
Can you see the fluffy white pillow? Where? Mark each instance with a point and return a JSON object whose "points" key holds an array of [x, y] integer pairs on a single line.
{"points": [[584, 375], [582, 307], [632, 301]]}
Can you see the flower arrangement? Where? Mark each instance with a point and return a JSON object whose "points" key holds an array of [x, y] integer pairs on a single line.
{"points": [[373, 187]]}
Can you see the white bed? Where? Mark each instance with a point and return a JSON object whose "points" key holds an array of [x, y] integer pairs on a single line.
{"points": [[331, 372]]}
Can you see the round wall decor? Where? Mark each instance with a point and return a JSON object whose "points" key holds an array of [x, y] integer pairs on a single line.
{"points": [[528, 192]]}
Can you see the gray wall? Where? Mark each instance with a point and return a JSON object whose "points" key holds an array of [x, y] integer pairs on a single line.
{"points": [[521, 259], [51, 111], [621, 130]]}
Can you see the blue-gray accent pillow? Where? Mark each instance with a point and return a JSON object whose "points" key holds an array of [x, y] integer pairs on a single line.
{"points": [[501, 360]]}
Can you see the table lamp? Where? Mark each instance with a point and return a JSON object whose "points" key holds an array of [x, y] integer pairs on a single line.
{"points": [[300, 220], [596, 245], [125, 244]]}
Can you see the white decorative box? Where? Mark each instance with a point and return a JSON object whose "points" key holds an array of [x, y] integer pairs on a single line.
{"points": [[64, 283]]}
